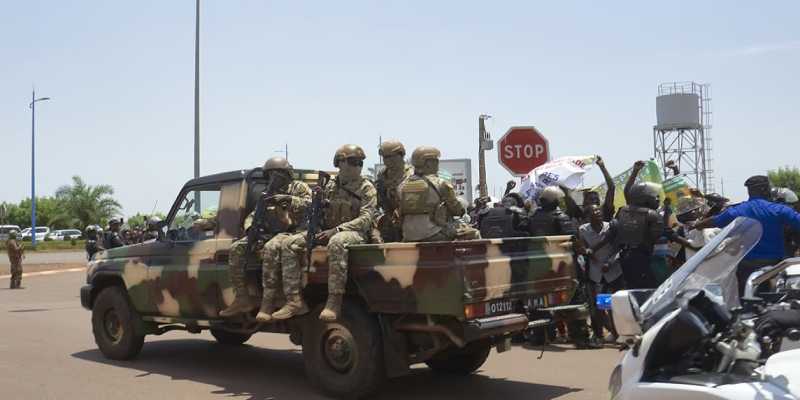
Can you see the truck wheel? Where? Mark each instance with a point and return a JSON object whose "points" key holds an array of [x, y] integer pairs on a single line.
{"points": [[461, 361], [344, 358], [114, 324], [230, 338]]}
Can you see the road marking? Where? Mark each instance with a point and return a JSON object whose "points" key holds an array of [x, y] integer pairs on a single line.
{"points": [[51, 272]]}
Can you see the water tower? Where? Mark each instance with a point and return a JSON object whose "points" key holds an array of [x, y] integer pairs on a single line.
{"points": [[682, 131]]}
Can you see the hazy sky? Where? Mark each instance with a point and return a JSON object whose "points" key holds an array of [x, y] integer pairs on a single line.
{"points": [[316, 75]]}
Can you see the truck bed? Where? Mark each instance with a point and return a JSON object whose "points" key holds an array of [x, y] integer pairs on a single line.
{"points": [[441, 278]]}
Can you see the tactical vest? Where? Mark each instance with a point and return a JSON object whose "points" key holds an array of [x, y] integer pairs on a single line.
{"points": [[421, 207], [632, 229], [497, 223], [388, 189], [344, 205], [550, 223]]}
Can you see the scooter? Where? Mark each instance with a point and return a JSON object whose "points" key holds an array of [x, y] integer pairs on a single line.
{"points": [[691, 338]]}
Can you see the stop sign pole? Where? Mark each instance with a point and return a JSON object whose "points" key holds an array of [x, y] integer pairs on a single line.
{"points": [[522, 149]]}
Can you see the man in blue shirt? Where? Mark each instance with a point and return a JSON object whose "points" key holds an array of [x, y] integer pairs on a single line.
{"points": [[773, 218]]}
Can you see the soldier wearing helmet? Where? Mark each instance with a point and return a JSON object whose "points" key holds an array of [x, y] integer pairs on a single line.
{"points": [[93, 244], [349, 219], [635, 231], [111, 238], [285, 200], [16, 252], [388, 184], [153, 229], [548, 219], [428, 203]]}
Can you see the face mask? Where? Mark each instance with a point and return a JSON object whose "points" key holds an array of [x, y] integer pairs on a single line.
{"points": [[348, 172], [394, 163]]}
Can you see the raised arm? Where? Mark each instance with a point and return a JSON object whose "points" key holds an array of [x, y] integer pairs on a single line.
{"points": [[637, 167]]}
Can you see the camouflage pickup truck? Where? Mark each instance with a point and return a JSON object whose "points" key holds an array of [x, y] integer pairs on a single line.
{"points": [[445, 304]]}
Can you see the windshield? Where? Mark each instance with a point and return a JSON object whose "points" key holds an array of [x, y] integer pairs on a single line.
{"points": [[713, 268]]}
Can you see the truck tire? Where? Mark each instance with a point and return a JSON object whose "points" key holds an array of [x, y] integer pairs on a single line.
{"points": [[230, 338], [461, 361], [344, 358], [114, 324]]}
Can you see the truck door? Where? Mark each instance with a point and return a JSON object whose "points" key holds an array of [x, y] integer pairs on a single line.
{"points": [[184, 274]]}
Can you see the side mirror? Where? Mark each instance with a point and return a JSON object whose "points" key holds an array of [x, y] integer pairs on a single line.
{"points": [[625, 310]]}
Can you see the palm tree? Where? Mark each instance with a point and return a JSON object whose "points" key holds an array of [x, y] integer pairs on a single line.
{"points": [[85, 204]]}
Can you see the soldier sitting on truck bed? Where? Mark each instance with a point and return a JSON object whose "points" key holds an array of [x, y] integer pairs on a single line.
{"points": [[428, 203], [388, 185], [349, 219], [283, 189]]}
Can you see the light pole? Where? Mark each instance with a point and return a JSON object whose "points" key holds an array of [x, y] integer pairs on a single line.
{"points": [[33, 164], [197, 205]]}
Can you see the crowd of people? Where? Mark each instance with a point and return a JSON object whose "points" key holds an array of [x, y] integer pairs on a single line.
{"points": [[642, 243]]}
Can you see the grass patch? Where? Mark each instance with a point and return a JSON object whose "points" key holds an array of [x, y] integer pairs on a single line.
{"points": [[51, 245]]}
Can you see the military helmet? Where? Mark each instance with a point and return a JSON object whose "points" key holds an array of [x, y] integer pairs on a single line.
{"points": [[391, 147], [277, 163], [348, 151], [114, 221], [645, 194], [90, 229], [551, 194], [153, 222], [423, 153]]}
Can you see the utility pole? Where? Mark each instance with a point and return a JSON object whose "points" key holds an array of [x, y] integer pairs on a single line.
{"points": [[33, 164], [197, 205], [484, 143]]}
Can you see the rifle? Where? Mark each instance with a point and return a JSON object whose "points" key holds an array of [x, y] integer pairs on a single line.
{"points": [[314, 215], [258, 227]]}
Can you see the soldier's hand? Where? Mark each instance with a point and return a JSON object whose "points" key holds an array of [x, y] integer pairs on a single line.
{"points": [[326, 235], [599, 161], [637, 166]]}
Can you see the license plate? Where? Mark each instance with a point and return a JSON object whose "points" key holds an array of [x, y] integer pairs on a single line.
{"points": [[537, 302], [499, 307]]}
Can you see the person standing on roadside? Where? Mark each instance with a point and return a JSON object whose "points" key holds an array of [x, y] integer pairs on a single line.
{"points": [[16, 252]]}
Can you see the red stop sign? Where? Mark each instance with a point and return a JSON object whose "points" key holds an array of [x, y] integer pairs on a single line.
{"points": [[522, 149]]}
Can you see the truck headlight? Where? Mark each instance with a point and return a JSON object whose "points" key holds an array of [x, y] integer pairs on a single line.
{"points": [[615, 382]]}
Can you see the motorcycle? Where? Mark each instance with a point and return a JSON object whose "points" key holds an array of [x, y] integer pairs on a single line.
{"points": [[691, 338]]}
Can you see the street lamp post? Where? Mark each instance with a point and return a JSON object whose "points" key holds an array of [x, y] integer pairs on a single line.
{"points": [[33, 164]]}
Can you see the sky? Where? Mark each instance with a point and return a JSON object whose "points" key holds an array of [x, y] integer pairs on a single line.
{"points": [[316, 75]]}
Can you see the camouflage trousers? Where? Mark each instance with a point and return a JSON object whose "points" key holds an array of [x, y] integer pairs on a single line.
{"points": [[454, 231], [337, 256], [237, 261], [280, 266], [16, 275]]}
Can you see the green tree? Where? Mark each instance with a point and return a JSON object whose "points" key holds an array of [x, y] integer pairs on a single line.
{"points": [[85, 204], [788, 177], [140, 220], [48, 213]]}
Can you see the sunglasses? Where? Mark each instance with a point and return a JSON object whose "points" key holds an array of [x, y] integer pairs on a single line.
{"points": [[354, 162]]}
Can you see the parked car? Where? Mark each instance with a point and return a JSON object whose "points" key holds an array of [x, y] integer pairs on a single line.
{"points": [[41, 232], [5, 229], [65, 234]]}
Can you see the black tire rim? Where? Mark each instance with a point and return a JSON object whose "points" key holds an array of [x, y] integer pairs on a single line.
{"points": [[113, 326], [339, 349]]}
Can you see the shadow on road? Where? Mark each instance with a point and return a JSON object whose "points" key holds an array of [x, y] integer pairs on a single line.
{"points": [[256, 373]]}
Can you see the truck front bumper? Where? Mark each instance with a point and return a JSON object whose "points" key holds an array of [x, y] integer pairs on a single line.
{"points": [[494, 326], [86, 296]]}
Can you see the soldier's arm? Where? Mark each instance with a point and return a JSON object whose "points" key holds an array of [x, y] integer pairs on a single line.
{"points": [[366, 214], [450, 200], [301, 198]]}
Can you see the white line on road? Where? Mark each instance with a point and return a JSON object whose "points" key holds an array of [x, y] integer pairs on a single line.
{"points": [[52, 272]]}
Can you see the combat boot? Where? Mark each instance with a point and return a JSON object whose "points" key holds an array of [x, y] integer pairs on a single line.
{"points": [[265, 312], [242, 302], [333, 308], [294, 306]]}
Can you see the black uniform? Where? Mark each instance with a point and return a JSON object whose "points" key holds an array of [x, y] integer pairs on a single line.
{"points": [[501, 222], [549, 222], [635, 231], [111, 240]]}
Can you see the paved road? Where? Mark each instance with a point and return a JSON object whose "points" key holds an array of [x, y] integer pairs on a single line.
{"points": [[56, 257], [47, 352]]}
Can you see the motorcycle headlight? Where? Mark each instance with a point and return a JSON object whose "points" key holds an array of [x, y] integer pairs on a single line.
{"points": [[615, 382]]}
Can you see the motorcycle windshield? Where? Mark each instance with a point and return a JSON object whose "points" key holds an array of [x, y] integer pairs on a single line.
{"points": [[713, 268]]}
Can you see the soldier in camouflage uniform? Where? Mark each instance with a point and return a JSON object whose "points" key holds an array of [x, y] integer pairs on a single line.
{"points": [[291, 206], [428, 203], [15, 254], [388, 184], [349, 218], [286, 194]]}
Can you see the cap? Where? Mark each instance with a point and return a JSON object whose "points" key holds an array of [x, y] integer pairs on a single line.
{"points": [[757, 180]]}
